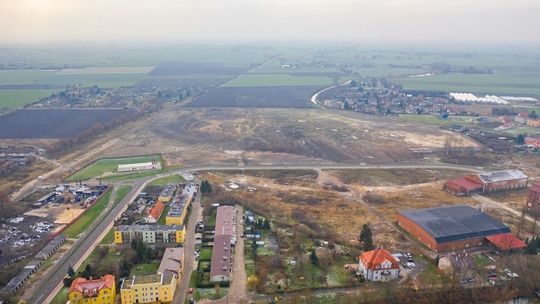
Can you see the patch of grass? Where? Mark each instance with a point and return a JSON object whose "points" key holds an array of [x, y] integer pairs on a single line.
{"points": [[257, 80], [163, 216], [13, 99], [61, 297], [104, 165], [481, 261], [121, 193], [434, 120], [212, 218], [89, 216], [108, 238], [147, 268], [175, 178], [205, 254]]}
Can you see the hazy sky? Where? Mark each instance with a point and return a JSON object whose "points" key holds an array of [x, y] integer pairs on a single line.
{"points": [[462, 21]]}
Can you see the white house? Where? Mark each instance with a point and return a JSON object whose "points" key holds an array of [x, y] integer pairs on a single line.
{"points": [[378, 265]]}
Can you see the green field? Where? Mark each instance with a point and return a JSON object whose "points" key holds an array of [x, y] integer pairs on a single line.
{"points": [[480, 84], [22, 76], [175, 178], [106, 70], [88, 80], [13, 99], [89, 216], [103, 165], [434, 120], [255, 80]]}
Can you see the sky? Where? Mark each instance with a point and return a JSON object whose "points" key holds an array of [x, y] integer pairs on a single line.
{"points": [[175, 21]]}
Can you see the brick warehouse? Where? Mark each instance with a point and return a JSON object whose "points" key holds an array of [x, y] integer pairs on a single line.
{"points": [[450, 228], [487, 182], [533, 198]]}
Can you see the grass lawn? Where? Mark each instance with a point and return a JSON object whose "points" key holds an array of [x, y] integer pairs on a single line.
{"points": [[434, 120], [481, 261], [88, 218], [103, 165], [175, 178], [108, 238], [212, 218], [147, 268], [256, 80], [206, 254], [12, 99], [161, 220], [120, 193], [61, 297]]}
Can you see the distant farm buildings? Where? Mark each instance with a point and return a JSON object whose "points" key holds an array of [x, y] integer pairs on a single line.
{"points": [[139, 167], [487, 182], [378, 265], [456, 227]]}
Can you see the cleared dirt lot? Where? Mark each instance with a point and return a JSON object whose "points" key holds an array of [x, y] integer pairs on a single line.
{"points": [[222, 135]]}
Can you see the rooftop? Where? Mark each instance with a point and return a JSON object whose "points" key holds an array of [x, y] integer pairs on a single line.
{"points": [[371, 259], [452, 223], [172, 260], [503, 175], [91, 288], [149, 227], [506, 241], [224, 221], [467, 184], [168, 190], [221, 256], [147, 279]]}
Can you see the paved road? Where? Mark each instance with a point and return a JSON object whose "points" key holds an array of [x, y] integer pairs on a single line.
{"points": [[189, 246], [51, 282]]}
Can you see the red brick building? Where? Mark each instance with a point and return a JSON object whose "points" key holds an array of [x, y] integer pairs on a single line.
{"points": [[533, 198], [450, 228], [487, 182]]}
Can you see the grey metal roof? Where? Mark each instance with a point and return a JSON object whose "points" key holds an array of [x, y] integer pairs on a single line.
{"points": [[503, 175], [452, 223], [140, 228]]}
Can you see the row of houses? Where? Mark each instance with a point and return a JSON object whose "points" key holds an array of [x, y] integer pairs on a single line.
{"points": [[179, 206], [224, 242], [150, 234]]}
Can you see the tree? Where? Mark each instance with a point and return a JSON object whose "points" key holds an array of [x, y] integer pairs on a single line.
{"points": [[71, 272], [68, 281], [533, 115], [366, 237], [520, 139], [313, 257], [124, 269], [252, 282], [346, 106], [206, 187], [87, 272], [532, 246]]}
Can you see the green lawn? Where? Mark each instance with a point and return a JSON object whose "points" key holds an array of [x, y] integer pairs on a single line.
{"points": [[205, 254], [60, 297], [103, 165], [212, 218], [13, 99], [89, 216], [175, 179], [163, 216], [120, 193], [147, 268], [254, 80], [108, 238]]}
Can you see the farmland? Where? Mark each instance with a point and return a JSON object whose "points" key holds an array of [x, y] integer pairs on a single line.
{"points": [[481, 84], [105, 165], [53, 124], [275, 80], [257, 97], [14, 98]]}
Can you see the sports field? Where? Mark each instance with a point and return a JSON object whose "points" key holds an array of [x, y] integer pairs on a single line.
{"points": [[104, 165]]}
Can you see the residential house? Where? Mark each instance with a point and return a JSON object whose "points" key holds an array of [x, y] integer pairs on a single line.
{"points": [[378, 265], [98, 291]]}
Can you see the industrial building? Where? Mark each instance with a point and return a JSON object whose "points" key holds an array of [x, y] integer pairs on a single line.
{"points": [[167, 193], [149, 234], [17, 282], [224, 241], [139, 167], [450, 228], [152, 288], [487, 182], [97, 291], [51, 247], [533, 198]]}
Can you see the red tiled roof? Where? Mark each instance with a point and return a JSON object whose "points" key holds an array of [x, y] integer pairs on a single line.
{"points": [[156, 211], [506, 241], [465, 183], [535, 187], [372, 259], [91, 288]]}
